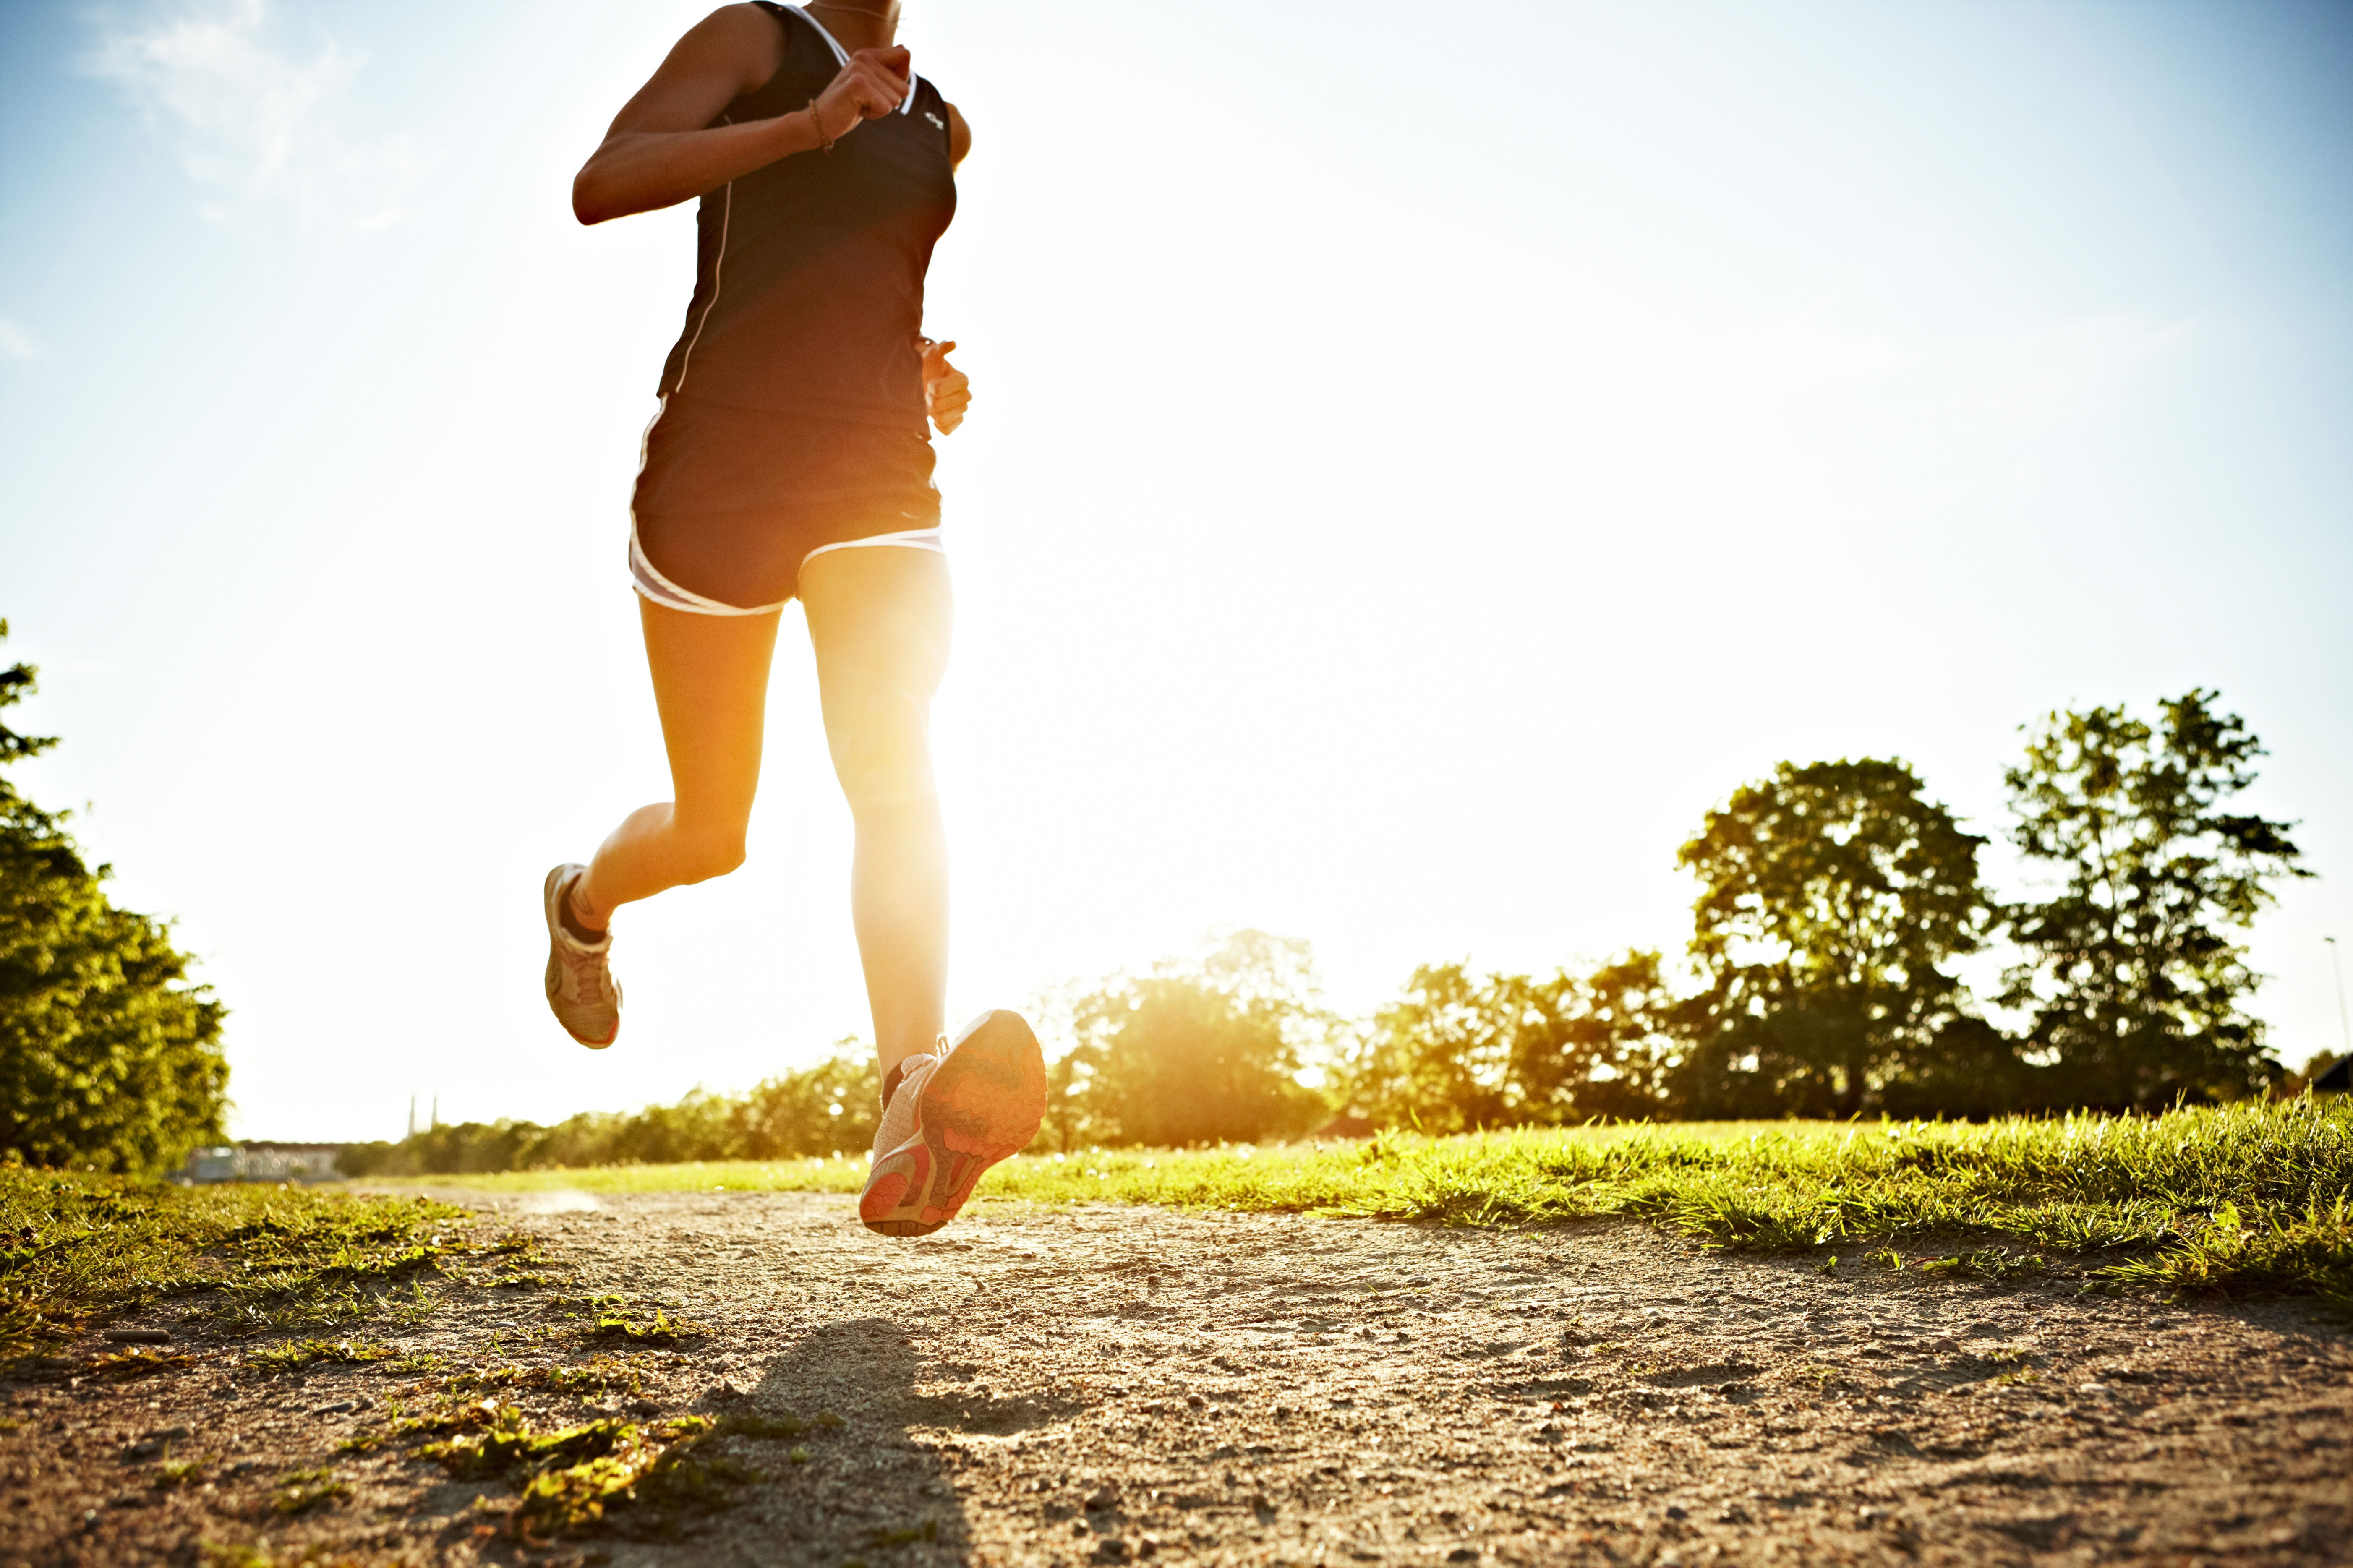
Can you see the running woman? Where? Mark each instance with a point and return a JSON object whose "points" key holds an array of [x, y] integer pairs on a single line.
{"points": [[791, 457]]}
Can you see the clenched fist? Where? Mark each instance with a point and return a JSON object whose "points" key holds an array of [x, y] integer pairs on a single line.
{"points": [[873, 84], [948, 391]]}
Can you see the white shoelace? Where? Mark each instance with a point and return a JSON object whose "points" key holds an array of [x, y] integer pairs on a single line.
{"points": [[590, 975], [583, 965]]}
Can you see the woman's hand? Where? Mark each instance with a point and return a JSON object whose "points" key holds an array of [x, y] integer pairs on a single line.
{"points": [[873, 84], [663, 149], [948, 391]]}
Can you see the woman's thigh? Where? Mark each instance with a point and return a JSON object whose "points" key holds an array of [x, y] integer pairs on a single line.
{"points": [[880, 620], [711, 685]]}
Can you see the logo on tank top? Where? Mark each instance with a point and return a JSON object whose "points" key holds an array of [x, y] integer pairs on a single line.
{"points": [[935, 119]]}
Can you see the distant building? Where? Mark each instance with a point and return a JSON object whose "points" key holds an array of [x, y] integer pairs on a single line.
{"points": [[2337, 1079], [253, 1162]]}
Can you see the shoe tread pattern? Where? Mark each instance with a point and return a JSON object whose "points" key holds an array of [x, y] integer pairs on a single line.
{"points": [[984, 1102]]}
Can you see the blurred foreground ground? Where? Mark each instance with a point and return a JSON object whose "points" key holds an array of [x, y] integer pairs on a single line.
{"points": [[1106, 1383]]}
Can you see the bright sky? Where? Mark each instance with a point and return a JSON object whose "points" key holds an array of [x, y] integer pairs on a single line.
{"points": [[1423, 458]]}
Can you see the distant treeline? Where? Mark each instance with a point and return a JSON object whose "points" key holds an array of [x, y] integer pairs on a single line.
{"points": [[1833, 900], [832, 1107]]}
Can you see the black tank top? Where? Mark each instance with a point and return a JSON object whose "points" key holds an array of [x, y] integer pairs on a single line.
{"points": [[808, 287]]}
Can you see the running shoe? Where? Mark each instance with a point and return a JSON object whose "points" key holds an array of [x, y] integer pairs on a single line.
{"points": [[950, 1117], [581, 990]]}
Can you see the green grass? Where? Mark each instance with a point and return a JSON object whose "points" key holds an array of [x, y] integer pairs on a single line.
{"points": [[2247, 1199], [305, 1491], [79, 1250], [298, 1355], [569, 1478]]}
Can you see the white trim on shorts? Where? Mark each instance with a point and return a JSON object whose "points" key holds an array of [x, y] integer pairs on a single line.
{"points": [[648, 580]]}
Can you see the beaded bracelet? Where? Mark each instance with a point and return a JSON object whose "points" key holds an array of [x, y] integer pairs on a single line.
{"points": [[817, 123]]}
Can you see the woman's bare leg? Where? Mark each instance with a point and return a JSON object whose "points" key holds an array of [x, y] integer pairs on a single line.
{"points": [[879, 619], [711, 685]]}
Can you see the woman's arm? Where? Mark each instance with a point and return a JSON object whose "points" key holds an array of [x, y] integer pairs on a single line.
{"points": [[663, 148], [959, 137], [948, 391]]}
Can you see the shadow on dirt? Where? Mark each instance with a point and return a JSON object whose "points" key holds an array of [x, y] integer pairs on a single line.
{"points": [[872, 1489]]}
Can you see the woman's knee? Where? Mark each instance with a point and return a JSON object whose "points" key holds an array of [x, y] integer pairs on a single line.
{"points": [[883, 765], [699, 856]]}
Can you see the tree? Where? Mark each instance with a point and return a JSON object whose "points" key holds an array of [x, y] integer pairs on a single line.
{"points": [[2135, 984], [1831, 896], [1199, 1053], [109, 1057], [1440, 1057], [833, 1106], [1460, 1051], [1607, 1045]]}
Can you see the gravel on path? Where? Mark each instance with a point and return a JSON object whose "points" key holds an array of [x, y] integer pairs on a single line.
{"points": [[1107, 1385]]}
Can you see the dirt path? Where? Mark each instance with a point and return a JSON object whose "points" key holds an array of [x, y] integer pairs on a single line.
{"points": [[1105, 1384]]}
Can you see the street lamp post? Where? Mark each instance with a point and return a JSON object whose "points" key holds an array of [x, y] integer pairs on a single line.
{"points": [[2337, 968]]}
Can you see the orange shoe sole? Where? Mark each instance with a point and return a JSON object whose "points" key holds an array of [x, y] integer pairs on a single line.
{"points": [[981, 1104]]}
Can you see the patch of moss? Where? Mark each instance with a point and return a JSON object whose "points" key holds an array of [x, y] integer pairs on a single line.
{"points": [[120, 1366], [1987, 1263], [298, 1354], [174, 1474], [304, 1491], [663, 1331], [568, 1501], [511, 1449], [604, 1374], [317, 1555], [571, 1479], [449, 1415]]}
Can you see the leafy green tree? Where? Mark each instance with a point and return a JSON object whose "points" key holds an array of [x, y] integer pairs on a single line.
{"points": [[108, 1057], [1199, 1053], [1440, 1057], [1459, 1051], [1832, 896], [2134, 981], [1609, 1044]]}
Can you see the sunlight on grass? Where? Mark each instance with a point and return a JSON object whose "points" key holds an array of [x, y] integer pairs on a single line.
{"points": [[77, 1249], [2250, 1197]]}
